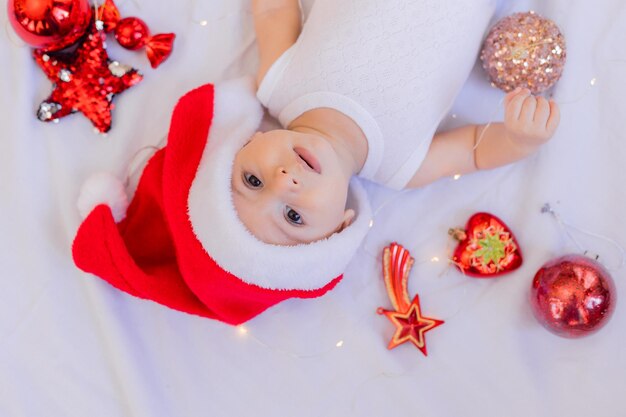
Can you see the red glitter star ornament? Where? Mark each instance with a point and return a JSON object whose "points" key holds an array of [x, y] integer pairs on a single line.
{"points": [[85, 80], [411, 325]]}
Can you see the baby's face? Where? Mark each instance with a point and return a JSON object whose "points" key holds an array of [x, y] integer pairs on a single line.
{"points": [[289, 188]]}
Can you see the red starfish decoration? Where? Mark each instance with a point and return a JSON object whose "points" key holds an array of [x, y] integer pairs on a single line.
{"points": [[411, 326], [85, 80]]}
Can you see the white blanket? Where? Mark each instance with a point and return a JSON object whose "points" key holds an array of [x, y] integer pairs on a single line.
{"points": [[71, 345]]}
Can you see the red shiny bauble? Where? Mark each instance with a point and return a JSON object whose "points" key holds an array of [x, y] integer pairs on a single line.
{"points": [[573, 296], [131, 33], [50, 25]]}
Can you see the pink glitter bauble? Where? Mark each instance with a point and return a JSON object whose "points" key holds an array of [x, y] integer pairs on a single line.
{"points": [[573, 296], [524, 50]]}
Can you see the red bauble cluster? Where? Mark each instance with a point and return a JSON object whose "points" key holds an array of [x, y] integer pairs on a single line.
{"points": [[52, 25], [571, 296], [84, 78]]}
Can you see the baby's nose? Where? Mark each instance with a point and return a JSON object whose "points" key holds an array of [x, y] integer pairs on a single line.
{"points": [[285, 180]]}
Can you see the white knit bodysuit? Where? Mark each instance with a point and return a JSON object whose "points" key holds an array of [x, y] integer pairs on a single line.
{"points": [[393, 66]]}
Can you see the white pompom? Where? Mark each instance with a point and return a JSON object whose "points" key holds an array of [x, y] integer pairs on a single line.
{"points": [[103, 188]]}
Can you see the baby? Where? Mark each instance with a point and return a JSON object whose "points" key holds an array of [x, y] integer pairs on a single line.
{"points": [[360, 90]]}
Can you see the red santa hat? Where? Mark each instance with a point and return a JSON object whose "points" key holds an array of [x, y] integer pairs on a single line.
{"points": [[180, 243]]}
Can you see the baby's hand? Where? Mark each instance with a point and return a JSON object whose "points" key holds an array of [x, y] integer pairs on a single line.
{"points": [[529, 121]]}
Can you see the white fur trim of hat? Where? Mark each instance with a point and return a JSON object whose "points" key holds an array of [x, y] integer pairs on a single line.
{"points": [[237, 116]]}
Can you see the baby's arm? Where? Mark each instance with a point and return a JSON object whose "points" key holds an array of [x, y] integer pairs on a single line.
{"points": [[277, 25], [529, 122]]}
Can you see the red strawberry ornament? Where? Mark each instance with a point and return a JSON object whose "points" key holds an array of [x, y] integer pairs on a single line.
{"points": [[487, 247]]}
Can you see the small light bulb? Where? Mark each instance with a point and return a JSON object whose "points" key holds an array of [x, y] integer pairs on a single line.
{"points": [[339, 343], [434, 259], [454, 116], [593, 81], [242, 330], [371, 223], [457, 176], [203, 23]]}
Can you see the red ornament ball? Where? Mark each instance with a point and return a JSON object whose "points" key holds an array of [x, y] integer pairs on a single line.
{"points": [[49, 25], [524, 50], [573, 296], [131, 33]]}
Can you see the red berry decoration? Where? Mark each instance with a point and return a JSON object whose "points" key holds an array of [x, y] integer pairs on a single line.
{"points": [[573, 296], [487, 247]]}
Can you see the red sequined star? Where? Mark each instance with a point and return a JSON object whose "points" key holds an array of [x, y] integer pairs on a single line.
{"points": [[85, 80], [411, 326]]}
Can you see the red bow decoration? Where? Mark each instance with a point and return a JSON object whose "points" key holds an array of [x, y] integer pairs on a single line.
{"points": [[411, 326], [133, 33]]}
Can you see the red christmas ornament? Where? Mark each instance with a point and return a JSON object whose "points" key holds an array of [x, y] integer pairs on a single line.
{"points": [[411, 325], [573, 296], [85, 80], [133, 33], [50, 25], [487, 248]]}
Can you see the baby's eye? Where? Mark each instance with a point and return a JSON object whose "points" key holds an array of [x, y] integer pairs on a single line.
{"points": [[252, 181], [293, 216]]}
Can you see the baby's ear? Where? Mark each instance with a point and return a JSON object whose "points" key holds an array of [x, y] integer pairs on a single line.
{"points": [[348, 218]]}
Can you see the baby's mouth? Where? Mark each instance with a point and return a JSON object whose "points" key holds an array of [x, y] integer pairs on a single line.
{"points": [[308, 160]]}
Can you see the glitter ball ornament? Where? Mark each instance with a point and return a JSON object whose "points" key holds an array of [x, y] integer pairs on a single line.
{"points": [[572, 296], [524, 50], [50, 25]]}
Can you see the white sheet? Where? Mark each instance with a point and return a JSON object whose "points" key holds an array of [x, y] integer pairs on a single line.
{"points": [[70, 345]]}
